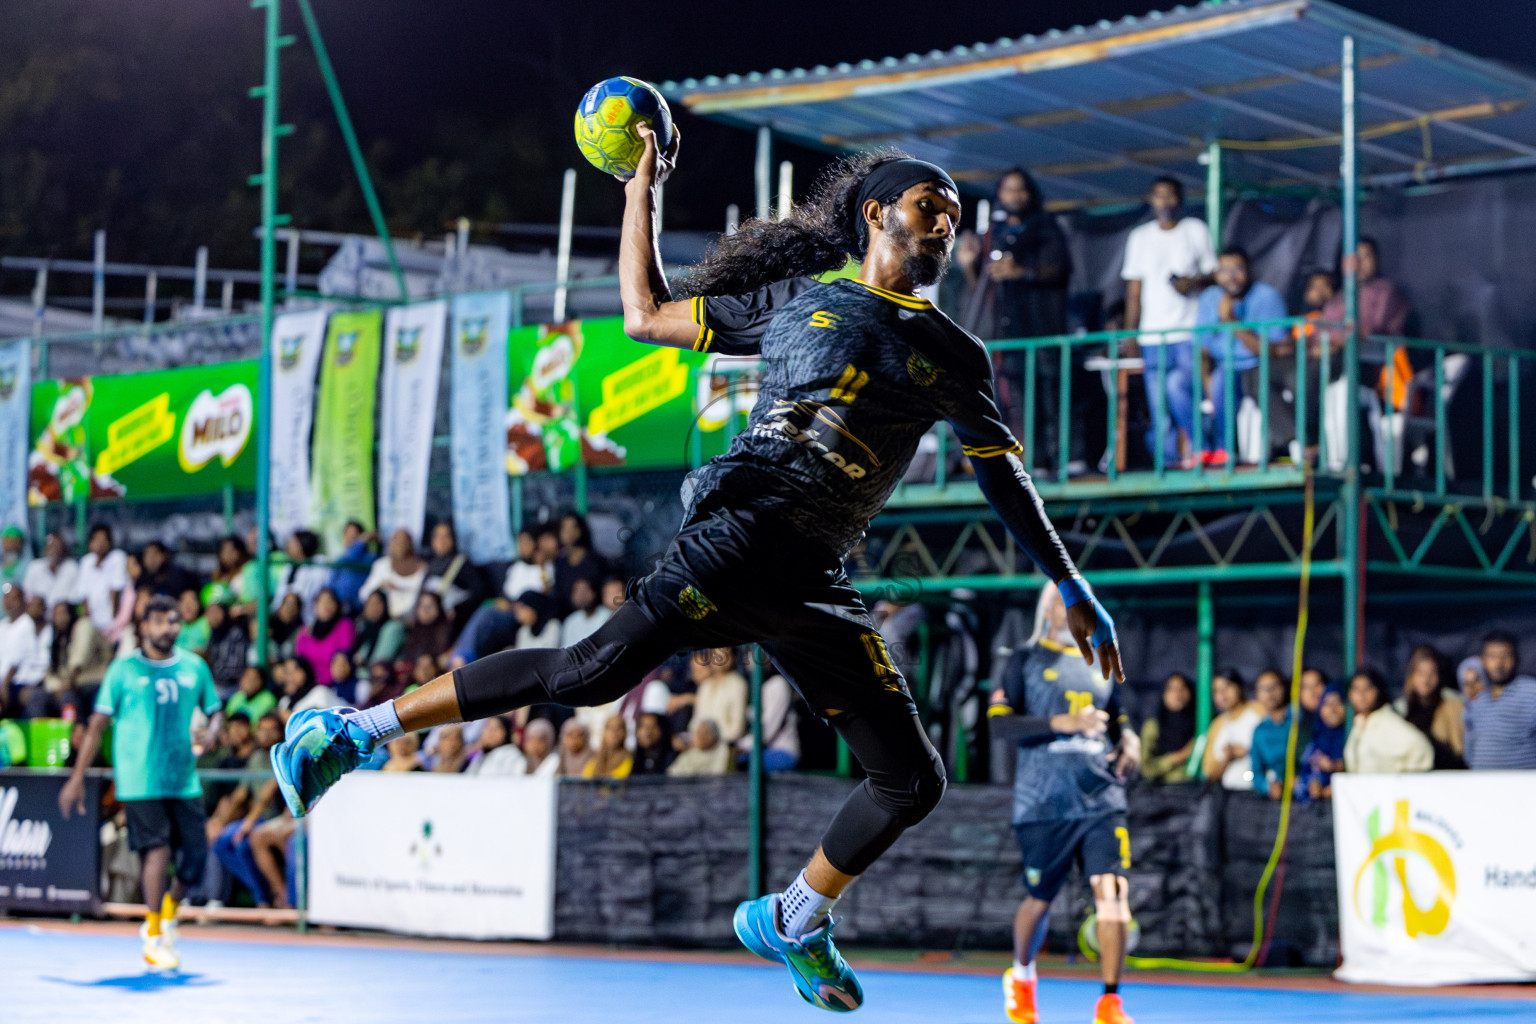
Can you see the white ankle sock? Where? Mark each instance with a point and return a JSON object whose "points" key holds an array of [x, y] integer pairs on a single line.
{"points": [[1024, 972], [803, 909], [379, 721]]}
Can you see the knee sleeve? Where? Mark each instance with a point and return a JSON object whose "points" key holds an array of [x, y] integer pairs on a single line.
{"points": [[876, 814]]}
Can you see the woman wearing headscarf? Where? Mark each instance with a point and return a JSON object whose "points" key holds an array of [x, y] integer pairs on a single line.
{"points": [[1324, 754], [399, 574], [575, 748], [378, 637], [330, 633], [653, 744], [283, 628], [576, 561], [539, 747], [453, 577], [1169, 736], [537, 626], [431, 633], [1433, 709], [495, 753]]}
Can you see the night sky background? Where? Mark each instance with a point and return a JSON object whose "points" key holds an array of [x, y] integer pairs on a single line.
{"points": [[132, 115]]}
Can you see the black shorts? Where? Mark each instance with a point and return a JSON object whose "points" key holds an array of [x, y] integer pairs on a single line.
{"points": [[179, 824], [1099, 845]]}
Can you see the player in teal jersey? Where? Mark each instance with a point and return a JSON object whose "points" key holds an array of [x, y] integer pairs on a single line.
{"points": [[151, 696]]}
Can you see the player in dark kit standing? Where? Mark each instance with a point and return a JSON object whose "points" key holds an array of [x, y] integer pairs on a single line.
{"points": [[1074, 751], [855, 372]]}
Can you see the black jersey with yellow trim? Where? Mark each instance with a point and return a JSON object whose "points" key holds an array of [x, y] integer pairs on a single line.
{"points": [[853, 377]]}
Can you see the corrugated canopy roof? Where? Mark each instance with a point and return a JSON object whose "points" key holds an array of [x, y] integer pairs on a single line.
{"points": [[1094, 111]]}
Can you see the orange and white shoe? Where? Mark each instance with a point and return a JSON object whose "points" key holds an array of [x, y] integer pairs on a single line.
{"points": [[1019, 999], [1111, 1011]]}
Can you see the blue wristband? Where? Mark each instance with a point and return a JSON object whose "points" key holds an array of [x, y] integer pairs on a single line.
{"points": [[1073, 591]]}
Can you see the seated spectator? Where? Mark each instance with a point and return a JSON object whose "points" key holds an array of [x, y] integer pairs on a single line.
{"points": [[576, 561], [194, 628], [301, 574], [1169, 736], [612, 759], [613, 593], [1501, 720], [77, 660], [399, 574], [706, 754], [586, 613], [430, 633], [1231, 733], [384, 682], [1236, 297], [283, 628], [575, 748], [378, 637], [422, 671], [343, 678], [350, 569], [781, 728], [329, 633], [230, 560], [15, 556], [102, 576], [539, 747], [495, 753], [248, 580], [272, 848], [449, 755], [300, 692], [459, 582], [1324, 753], [229, 640], [653, 744], [532, 570], [721, 692], [253, 698], [1380, 742], [161, 575], [404, 754], [1433, 709], [53, 576], [25, 648], [260, 803], [1272, 736]]}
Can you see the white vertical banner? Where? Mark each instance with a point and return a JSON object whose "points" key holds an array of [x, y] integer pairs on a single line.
{"points": [[428, 854], [477, 412], [297, 339], [15, 430], [1437, 877], [413, 360]]}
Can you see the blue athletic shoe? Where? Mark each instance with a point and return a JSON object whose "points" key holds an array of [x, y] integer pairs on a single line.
{"points": [[320, 748], [821, 975]]}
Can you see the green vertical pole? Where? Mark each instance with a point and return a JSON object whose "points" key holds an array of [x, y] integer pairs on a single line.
{"points": [[1064, 412], [1213, 187], [755, 783], [515, 488], [80, 525], [581, 488], [1204, 654], [1487, 426], [1514, 428], [1350, 541], [229, 508]]}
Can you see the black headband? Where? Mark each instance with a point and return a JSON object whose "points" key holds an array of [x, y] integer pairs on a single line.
{"points": [[888, 180]]}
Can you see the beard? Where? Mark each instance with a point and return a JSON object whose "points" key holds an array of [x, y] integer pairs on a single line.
{"points": [[924, 263]]}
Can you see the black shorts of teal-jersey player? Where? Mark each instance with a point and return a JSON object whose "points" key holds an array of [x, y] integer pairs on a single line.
{"points": [[1068, 804]]}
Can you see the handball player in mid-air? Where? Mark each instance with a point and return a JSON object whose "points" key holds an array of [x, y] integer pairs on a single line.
{"points": [[855, 372]]}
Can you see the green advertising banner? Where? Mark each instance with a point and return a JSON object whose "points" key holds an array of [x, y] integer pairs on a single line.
{"points": [[143, 436], [341, 462], [582, 391]]}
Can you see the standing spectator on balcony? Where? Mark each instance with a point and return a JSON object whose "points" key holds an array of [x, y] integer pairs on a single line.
{"points": [[161, 574], [653, 744], [53, 576], [1433, 709], [399, 574], [1272, 736], [1501, 720], [707, 754], [575, 748], [1168, 261], [1237, 298], [612, 759], [1230, 735], [77, 660], [1309, 696], [229, 640], [495, 753], [539, 747], [1380, 742], [25, 649], [576, 561], [350, 570], [586, 613], [430, 634], [14, 556], [378, 637], [329, 634], [459, 582], [1168, 737], [1324, 753], [1018, 274]]}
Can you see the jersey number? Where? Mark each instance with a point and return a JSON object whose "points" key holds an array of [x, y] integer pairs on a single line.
{"points": [[166, 691], [849, 383], [1077, 700], [1125, 846], [879, 656]]}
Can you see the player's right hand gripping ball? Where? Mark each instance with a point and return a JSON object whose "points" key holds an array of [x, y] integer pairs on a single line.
{"points": [[606, 120]]}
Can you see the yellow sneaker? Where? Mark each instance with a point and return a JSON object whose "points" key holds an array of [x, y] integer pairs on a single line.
{"points": [[1019, 999], [1111, 1011], [158, 953]]}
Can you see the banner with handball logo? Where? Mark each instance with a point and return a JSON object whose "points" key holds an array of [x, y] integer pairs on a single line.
{"points": [[413, 360], [1437, 877], [296, 342], [161, 435], [15, 431], [341, 467], [477, 410]]}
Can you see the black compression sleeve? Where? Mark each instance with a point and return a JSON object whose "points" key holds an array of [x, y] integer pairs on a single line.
{"points": [[1011, 493]]}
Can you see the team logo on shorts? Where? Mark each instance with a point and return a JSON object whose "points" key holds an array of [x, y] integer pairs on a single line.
{"points": [[694, 604], [1032, 876], [922, 372]]}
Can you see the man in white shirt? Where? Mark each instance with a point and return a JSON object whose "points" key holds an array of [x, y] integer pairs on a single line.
{"points": [[25, 645], [100, 581], [1168, 262], [52, 577]]}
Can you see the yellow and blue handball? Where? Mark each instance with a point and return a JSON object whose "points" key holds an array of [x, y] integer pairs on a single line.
{"points": [[606, 123]]}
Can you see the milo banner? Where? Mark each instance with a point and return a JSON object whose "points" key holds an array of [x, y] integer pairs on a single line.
{"points": [[585, 393], [160, 435], [15, 431], [296, 342], [341, 473], [477, 409], [1437, 877], [413, 359]]}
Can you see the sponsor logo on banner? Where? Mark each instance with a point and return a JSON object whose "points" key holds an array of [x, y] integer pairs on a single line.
{"points": [[23, 842], [346, 344], [426, 849], [407, 343], [288, 349], [216, 427], [1407, 881], [7, 382], [473, 334]]}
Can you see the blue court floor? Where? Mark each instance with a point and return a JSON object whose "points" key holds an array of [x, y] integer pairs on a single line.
{"points": [[57, 974]]}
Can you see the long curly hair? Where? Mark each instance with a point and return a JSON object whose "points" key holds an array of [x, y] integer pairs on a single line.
{"points": [[818, 236]]}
